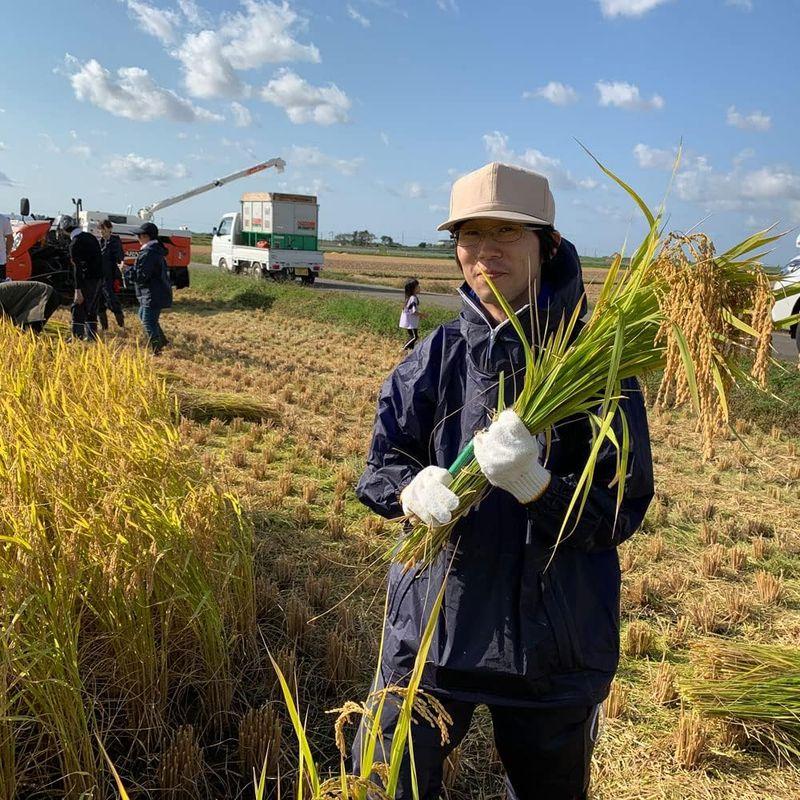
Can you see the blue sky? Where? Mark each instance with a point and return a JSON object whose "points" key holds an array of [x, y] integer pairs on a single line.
{"points": [[376, 105]]}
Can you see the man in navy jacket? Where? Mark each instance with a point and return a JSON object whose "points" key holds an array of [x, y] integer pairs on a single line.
{"points": [[537, 644], [150, 275]]}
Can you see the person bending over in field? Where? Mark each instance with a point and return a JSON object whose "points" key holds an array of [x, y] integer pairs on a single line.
{"points": [[537, 644]]}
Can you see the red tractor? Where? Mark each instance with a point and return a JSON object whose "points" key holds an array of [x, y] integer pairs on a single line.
{"points": [[41, 253]]}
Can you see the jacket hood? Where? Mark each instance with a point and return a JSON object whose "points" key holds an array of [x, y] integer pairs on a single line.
{"points": [[562, 290]]}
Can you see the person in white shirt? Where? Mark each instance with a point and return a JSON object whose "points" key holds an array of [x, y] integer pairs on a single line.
{"points": [[409, 318], [6, 244]]}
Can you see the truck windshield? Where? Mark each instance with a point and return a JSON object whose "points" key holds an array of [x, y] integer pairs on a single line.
{"points": [[225, 226]]}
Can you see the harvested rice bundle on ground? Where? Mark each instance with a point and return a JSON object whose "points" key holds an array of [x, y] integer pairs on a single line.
{"points": [[757, 685], [125, 573], [677, 307], [202, 405]]}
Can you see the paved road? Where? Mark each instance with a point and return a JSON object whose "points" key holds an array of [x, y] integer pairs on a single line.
{"points": [[784, 345]]}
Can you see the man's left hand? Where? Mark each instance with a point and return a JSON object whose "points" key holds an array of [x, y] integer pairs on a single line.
{"points": [[78, 297], [508, 456]]}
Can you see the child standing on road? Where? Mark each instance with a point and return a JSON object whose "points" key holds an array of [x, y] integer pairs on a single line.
{"points": [[409, 319]]}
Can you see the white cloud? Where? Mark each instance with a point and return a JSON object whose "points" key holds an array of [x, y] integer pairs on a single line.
{"points": [[206, 71], [754, 121], [497, 147], [183, 135], [438, 209], [194, 15], [744, 5], [447, 5], [316, 187], [241, 115], [323, 105], [132, 94], [6, 181], [81, 150], [133, 167], [559, 94], [154, 21], [737, 190], [263, 34], [356, 16], [313, 157], [385, 138], [3, 146], [414, 190], [654, 158], [627, 96], [49, 143], [628, 8]]}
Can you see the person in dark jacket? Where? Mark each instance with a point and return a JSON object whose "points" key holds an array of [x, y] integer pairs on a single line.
{"points": [[150, 277], [535, 640], [28, 304], [113, 257], [87, 270]]}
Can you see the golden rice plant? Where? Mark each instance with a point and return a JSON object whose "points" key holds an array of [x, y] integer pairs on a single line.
{"points": [[125, 572], [679, 307]]}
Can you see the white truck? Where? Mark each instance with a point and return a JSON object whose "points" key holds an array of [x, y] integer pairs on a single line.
{"points": [[787, 293], [273, 235]]}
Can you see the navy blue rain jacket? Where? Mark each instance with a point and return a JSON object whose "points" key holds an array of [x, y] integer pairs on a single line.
{"points": [[150, 276], [510, 632]]}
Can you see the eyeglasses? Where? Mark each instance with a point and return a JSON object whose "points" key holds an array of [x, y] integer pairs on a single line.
{"points": [[469, 238]]}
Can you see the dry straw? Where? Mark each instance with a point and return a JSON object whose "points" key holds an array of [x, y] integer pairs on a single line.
{"points": [[677, 307]]}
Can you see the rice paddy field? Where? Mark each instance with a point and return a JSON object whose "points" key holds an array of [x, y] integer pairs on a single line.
{"points": [[718, 562]]}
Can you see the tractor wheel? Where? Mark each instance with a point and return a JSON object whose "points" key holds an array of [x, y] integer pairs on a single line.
{"points": [[223, 265]]}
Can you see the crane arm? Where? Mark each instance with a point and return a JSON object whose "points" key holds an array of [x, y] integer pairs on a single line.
{"points": [[147, 212]]}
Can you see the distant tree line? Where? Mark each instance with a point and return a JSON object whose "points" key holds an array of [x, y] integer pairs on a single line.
{"points": [[367, 239]]}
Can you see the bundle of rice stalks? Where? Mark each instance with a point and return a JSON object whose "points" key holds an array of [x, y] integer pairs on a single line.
{"points": [[125, 573], [678, 307], [202, 405], [757, 685]]}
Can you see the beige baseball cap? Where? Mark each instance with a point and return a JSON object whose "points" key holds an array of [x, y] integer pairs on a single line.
{"points": [[500, 191]]}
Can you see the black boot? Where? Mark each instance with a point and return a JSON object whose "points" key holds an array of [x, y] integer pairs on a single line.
{"points": [[120, 318]]}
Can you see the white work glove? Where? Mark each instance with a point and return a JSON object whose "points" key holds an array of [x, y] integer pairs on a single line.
{"points": [[428, 498], [508, 456]]}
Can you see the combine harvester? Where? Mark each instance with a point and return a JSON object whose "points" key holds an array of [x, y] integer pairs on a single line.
{"points": [[41, 254]]}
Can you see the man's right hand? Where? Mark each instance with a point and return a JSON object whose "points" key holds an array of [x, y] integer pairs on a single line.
{"points": [[428, 498], [78, 297]]}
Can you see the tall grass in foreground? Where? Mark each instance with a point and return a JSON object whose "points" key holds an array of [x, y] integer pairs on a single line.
{"points": [[125, 573], [755, 685], [679, 307]]}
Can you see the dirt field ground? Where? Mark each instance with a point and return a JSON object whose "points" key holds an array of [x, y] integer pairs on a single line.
{"points": [[688, 576]]}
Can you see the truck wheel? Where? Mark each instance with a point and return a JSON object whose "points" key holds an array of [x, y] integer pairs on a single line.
{"points": [[223, 265], [307, 280]]}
